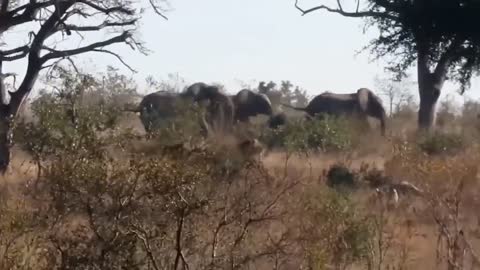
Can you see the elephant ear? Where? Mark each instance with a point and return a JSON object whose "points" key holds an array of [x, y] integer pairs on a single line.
{"points": [[362, 98], [265, 97], [244, 96]]}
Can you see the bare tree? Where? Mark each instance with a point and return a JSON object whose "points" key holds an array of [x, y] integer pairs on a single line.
{"points": [[397, 93], [50, 25]]}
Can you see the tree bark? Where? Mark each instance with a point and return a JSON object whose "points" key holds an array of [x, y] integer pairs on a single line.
{"points": [[5, 140], [429, 94], [429, 87]]}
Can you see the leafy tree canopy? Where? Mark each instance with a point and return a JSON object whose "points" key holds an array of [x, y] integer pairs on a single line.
{"points": [[439, 36]]}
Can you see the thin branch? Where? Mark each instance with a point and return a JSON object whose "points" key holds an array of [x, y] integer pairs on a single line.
{"points": [[118, 9], [59, 54], [96, 27], [146, 244], [339, 10], [118, 57], [157, 9], [179, 243], [12, 18]]}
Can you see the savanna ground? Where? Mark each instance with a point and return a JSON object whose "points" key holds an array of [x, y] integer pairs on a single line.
{"points": [[88, 190]]}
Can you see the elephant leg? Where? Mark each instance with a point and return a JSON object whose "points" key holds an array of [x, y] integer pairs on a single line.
{"points": [[204, 126]]}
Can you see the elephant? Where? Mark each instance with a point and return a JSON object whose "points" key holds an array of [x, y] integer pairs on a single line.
{"points": [[219, 106], [158, 107], [363, 103], [248, 103]]}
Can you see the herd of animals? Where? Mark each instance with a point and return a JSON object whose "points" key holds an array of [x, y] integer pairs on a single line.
{"points": [[223, 111]]}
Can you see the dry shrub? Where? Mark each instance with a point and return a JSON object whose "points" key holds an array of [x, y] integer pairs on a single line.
{"points": [[449, 202], [332, 232]]}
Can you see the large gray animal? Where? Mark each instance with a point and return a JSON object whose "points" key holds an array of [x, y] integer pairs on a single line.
{"points": [[157, 108], [363, 103], [220, 108], [250, 104]]}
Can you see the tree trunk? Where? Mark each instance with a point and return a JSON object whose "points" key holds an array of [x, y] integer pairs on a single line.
{"points": [[429, 91], [5, 141]]}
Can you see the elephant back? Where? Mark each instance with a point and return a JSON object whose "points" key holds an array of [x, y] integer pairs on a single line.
{"points": [[156, 108], [334, 104], [248, 103]]}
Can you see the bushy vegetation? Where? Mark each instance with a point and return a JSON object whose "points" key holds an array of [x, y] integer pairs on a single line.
{"points": [[441, 143], [107, 197], [326, 134], [339, 236]]}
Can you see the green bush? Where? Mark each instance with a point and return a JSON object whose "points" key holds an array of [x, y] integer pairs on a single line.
{"points": [[100, 205], [327, 134], [185, 126], [339, 234], [441, 143]]}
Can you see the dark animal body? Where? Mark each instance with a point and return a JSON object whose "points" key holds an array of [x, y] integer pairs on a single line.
{"points": [[157, 108], [361, 104], [250, 104]]}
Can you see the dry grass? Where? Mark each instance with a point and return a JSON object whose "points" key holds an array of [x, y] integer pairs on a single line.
{"points": [[410, 231]]}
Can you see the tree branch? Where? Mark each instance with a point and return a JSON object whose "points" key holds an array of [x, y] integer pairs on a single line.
{"points": [[179, 243], [117, 56], [60, 54], [95, 27], [157, 9], [447, 58], [12, 18], [146, 245], [18, 53], [118, 9], [339, 10], [34, 62]]}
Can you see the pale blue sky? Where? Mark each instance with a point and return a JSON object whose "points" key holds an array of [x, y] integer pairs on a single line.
{"points": [[228, 40]]}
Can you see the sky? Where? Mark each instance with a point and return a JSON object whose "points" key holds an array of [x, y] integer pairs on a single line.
{"points": [[233, 41]]}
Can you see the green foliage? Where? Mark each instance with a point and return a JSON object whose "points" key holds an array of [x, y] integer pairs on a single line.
{"points": [[63, 122], [287, 93], [327, 134], [110, 207], [338, 234], [441, 143], [185, 126]]}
